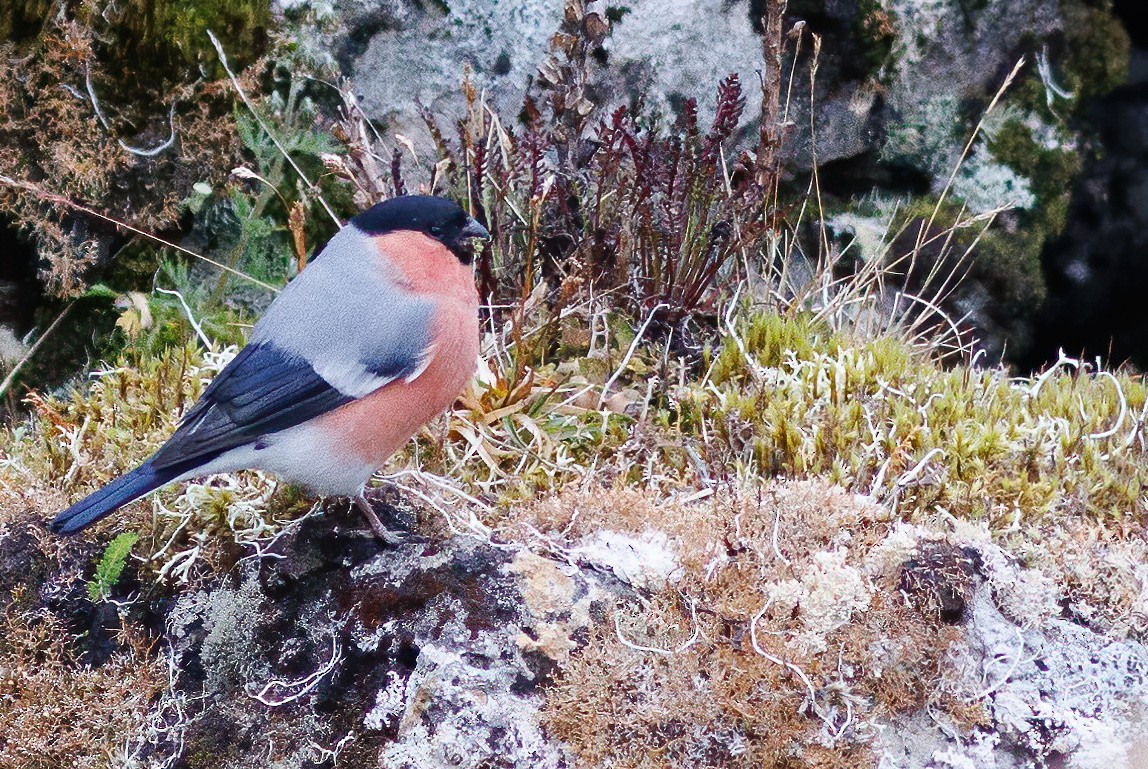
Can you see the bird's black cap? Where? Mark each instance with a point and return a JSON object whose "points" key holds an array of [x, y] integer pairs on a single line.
{"points": [[438, 218]]}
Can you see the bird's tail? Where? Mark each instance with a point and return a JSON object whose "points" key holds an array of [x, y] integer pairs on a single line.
{"points": [[121, 491]]}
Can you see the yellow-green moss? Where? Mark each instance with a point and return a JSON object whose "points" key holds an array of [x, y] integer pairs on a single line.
{"points": [[868, 413]]}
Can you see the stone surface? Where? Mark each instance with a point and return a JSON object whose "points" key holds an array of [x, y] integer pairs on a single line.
{"points": [[402, 53], [1058, 695], [323, 648], [421, 655]]}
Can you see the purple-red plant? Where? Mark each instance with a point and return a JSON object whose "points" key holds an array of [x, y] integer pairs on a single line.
{"points": [[649, 213]]}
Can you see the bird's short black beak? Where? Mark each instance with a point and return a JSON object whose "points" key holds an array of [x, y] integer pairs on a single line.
{"points": [[462, 246], [472, 229]]}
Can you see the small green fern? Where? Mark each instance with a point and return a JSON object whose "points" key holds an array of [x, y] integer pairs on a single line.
{"points": [[111, 565]]}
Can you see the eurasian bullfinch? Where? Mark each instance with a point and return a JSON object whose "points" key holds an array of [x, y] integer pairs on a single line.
{"points": [[375, 337]]}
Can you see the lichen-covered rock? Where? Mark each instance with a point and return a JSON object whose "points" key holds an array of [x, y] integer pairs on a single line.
{"points": [[421, 655], [1058, 695], [713, 631], [403, 53]]}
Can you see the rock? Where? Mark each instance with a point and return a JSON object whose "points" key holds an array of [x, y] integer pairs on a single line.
{"points": [[1059, 695], [674, 50], [1096, 270], [400, 53], [425, 654]]}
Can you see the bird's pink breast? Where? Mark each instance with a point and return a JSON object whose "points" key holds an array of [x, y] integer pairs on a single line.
{"points": [[377, 425]]}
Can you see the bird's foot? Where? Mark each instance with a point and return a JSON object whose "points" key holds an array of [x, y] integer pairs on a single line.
{"points": [[390, 536]]}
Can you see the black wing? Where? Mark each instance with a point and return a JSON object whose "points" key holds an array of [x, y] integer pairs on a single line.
{"points": [[262, 390]]}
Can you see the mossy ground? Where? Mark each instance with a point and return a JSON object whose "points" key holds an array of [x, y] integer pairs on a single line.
{"points": [[803, 476], [774, 578]]}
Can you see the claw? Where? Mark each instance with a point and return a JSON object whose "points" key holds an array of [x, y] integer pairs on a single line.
{"points": [[381, 531]]}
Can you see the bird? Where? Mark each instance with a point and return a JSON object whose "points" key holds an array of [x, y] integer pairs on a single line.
{"points": [[374, 338]]}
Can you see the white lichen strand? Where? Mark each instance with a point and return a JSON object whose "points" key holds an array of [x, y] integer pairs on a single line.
{"points": [[825, 598], [645, 562]]}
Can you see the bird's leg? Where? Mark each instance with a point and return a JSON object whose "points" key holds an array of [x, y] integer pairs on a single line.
{"points": [[381, 531]]}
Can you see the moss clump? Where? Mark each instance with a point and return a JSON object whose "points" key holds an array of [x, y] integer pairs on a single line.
{"points": [[877, 416], [876, 28], [1012, 253], [777, 621], [54, 146], [1050, 169], [1099, 49], [95, 433], [56, 711], [153, 44]]}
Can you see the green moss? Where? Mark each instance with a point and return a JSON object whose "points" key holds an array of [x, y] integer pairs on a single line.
{"points": [[118, 419], [149, 44], [1012, 255], [1051, 170], [868, 413], [876, 29], [1099, 49], [159, 42], [769, 338]]}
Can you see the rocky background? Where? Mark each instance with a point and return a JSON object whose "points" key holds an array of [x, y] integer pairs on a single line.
{"points": [[769, 538], [899, 86], [898, 89]]}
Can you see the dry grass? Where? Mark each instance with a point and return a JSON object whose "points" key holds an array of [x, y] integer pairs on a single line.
{"points": [[57, 712], [778, 641]]}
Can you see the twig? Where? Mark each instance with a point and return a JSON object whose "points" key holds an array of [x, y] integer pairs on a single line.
{"points": [[629, 352], [912, 475], [126, 147], [1051, 371], [637, 647], [258, 119], [95, 102], [1014, 663], [261, 548], [72, 443], [11, 378], [1137, 430], [769, 137], [1051, 89], [190, 318], [159, 147], [1123, 406], [52, 197], [777, 660], [305, 684]]}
